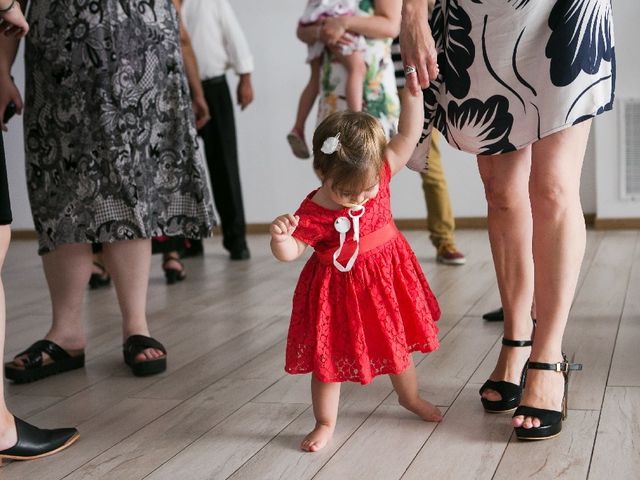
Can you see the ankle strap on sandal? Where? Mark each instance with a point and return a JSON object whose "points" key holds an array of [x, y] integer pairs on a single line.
{"points": [[556, 367], [516, 343]]}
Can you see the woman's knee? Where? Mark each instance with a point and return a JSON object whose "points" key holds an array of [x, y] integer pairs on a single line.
{"points": [[504, 197], [550, 195]]}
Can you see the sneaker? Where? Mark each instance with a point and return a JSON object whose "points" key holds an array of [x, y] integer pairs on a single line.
{"points": [[448, 254], [297, 144]]}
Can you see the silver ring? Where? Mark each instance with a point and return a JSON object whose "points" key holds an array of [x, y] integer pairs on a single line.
{"points": [[409, 69]]}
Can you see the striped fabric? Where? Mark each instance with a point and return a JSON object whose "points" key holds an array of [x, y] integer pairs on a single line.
{"points": [[397, 62]]}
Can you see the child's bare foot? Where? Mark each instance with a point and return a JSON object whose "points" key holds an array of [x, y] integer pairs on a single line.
{"points": [[422, 408], [318, 438]]}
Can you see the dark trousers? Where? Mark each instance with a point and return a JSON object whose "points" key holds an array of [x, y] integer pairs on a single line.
{"points": [[221, 150], [5, 204]]}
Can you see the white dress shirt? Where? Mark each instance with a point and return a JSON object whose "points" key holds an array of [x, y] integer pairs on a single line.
{"points": [[216, 36]]}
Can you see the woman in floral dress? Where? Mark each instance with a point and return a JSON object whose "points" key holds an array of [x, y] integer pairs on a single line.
{"points": [[517, 83], [111, 158], [379, 23]]}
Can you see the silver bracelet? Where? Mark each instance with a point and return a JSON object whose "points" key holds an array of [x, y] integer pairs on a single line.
{"points": [[5, 10]]}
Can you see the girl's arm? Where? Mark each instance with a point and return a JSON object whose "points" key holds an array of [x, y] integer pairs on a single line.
{"points": [[384, 23], [283, 246], [401, 146]]}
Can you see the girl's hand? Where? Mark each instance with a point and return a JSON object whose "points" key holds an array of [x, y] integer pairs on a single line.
{"points": [[8, 92], [333, 29], [417, 45], [13, 22], [283, 226]]}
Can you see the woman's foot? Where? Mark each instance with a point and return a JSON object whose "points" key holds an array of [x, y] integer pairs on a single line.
{"points": [[8, 434], [72, 345], [33, 442], [144, 355], [318, 438], [99, 276], [543, 389], [508, 369], [425, 410], [174, 270]]}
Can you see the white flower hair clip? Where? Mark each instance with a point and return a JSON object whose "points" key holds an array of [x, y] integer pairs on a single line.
{"points": [[331, 144]]}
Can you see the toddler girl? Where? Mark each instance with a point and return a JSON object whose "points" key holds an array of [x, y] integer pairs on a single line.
{"points": [[349, 55], [362, 303]]}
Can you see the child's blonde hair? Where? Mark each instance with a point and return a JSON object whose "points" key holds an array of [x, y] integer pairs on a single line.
{"points": [[360, 155]]}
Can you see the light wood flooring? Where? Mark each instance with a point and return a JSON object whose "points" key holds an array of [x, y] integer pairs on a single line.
{"points": [[226, 409]]}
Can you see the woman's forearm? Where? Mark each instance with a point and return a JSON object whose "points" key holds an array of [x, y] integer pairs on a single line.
{"points": [[385, 22], [8, 52], [376, 26]]}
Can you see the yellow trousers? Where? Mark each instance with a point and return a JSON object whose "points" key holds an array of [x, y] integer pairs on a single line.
{"points": [[440, 222]]}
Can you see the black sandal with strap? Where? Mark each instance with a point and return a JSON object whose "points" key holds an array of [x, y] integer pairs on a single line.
{"points": [[99, 280], [34, 442], [510, 392], [550, 420], [34, 367], [137, 344], [173, 275]]}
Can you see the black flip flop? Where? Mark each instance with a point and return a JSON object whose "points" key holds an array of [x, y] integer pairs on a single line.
{"points": [[135, 345], [34, 368]]}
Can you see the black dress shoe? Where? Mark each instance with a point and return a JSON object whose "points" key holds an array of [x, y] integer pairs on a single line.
{"points": [[34, 442], [240, 254], [494, 315]]}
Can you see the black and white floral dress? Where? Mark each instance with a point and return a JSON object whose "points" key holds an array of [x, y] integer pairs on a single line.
{"points": [[514, 71], [110, 137]]}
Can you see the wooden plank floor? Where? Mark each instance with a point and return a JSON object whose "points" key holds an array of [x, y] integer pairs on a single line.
{"points": [[225, 408]]}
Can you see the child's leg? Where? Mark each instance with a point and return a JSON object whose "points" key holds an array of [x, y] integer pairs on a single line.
{"points": [[325, 397], [356, 71], [406, 386], [309, 95]]}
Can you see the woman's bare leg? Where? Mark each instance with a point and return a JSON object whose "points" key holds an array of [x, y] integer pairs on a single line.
{"points": [[325, 398], [559, 239], [67, 270], [506, 184], [129, 262], [8, 435]]}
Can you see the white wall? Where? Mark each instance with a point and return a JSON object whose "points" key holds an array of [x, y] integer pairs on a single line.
{"points": [[608, 170], [273, 180]]}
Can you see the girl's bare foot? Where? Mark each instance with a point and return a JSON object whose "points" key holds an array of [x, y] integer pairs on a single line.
{"points": [[422, 408], [318, 438]]}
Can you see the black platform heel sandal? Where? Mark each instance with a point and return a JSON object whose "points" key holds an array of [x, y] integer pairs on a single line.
{"points": [[550, 420], [510, 392]]}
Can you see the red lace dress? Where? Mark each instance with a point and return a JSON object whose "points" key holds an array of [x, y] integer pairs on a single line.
{"points": [[355, 325]]}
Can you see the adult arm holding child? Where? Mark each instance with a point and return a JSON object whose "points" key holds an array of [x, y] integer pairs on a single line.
{"points": [[402, 145], [285, 247], [385, 23]]}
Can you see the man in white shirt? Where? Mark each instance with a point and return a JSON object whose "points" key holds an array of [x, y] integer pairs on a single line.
{"points": [[219, 45]]}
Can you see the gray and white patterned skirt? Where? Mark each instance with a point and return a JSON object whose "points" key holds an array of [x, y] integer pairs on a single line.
{"points": [[110, 138]]}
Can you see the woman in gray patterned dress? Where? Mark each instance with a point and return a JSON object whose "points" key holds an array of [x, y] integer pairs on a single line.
{"points": [[517, 82], [111, 158]]}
